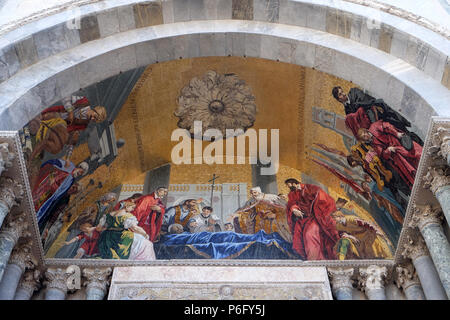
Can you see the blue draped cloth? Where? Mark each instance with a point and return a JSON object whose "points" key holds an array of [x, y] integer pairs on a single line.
{"points": [[224, 245]]}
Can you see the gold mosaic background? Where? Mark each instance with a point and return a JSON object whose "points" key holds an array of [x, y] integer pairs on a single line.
{"points": [[285, 95]]}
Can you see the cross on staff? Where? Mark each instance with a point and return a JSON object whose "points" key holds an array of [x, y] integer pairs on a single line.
{"points": [[212, 186]]}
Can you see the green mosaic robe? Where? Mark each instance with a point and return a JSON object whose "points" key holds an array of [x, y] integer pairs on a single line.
{"points": [[115, 242]]}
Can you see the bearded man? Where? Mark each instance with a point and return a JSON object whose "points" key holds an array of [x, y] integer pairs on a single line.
{"points": [[262, 211], [386, 141], [309, 216]]}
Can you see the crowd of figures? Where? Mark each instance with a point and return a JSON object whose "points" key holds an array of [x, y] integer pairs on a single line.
{"points": [[306, 224], [382, 164]]}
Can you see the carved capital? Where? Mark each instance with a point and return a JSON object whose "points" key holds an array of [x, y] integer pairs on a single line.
{"points": [[372, 277], [57, 278], [11, 192], [6, 157], [97, 278], [436, 178], [406, 276], [414, 247], [15, 227], [341, 277], [440, 143], [425, 215], [23, 257], [30, 281]]}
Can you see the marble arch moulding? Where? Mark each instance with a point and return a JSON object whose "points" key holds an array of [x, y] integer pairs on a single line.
{"points": [[403, 86], [410, 71]]}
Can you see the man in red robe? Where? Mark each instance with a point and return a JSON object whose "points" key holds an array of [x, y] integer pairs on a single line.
{"points": [[313, 229], [149, 212], [386, 141]]}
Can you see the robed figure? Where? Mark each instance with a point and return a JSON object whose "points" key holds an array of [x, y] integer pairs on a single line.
{"points": [[309, 216], [387, 143], [362, 109], [262, 211], [149, 212], [55, 178]]}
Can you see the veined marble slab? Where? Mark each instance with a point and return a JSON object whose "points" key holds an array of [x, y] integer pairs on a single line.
{"points": [[219, 283]]}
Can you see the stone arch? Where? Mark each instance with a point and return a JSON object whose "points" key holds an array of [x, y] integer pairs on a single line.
{"points": [[404, 87], [408, 71]]}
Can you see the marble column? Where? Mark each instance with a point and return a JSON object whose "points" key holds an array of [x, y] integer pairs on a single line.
{"points": [[440, 147], [11, 194], [341, 282], [408, 280], [372, 281], [28, 285], [6, 157], [438, 181], [9, 235], [21, 258], [97, 281], [429, 222], [416, 250], [56, 283]]}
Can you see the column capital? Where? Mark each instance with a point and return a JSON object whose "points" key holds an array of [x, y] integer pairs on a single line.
{"points": [[341, 277], [22, 256], [406, 276], [6, 157], [97, 278], [56, 278], [415, 248], [436, 178], [11, 192], [372, 277], [440, 141], [425, 215], [30, 280], [16, 226]]}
